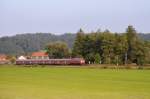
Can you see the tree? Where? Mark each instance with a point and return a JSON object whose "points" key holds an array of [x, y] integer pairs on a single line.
{"points": [[120, 48], [147, 51], [112, 48], [57, 50], [89, 58], [140, 53], [12, 59], [136, 51], [78, 44], [107, 47], [98, 30], [80, 31], [132, 38], [97, 58]]}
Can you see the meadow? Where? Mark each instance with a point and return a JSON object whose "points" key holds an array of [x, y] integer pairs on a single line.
{"points": [[73, 83]]}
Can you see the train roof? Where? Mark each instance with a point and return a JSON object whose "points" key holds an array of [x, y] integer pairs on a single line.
{"points": [[51, 59]]}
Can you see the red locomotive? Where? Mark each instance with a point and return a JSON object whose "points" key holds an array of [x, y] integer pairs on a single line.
{"points": [[71, 61]]}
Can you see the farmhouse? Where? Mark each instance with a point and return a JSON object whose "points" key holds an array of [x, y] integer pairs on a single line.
{"points": [[3, 59], [39, 55], [22, 58]]}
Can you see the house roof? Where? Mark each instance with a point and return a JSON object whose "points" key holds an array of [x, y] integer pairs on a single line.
{"points": [[2, 56], [22, 58], [39, 54]]}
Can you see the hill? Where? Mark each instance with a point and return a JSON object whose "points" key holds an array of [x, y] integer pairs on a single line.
{"points": [[27, 43], [145, 36]]}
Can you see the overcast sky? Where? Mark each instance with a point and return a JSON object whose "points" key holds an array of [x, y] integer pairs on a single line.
{"points": [[61, 16]]}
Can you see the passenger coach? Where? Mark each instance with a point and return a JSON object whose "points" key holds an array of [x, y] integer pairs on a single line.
{"points": [[72, 61]]}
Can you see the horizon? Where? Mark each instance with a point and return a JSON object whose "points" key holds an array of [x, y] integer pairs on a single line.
{"points": [[59, 17], [54, 34]]}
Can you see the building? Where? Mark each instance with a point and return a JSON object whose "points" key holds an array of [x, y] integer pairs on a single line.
{"points": [[22, 58], [3, 59], [39, 55]]}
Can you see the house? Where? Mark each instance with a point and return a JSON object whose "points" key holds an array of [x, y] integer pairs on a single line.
{"points": [[39, 55], [3, 59], [22, 58]]}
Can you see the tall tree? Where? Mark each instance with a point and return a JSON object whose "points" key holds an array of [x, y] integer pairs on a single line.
{"points": [[120, 48], [107, 47], [78, 44], [131, 39], [57, 50]]}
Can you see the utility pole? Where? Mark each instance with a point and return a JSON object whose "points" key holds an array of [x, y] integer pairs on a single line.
{"points": [[117, 60]]}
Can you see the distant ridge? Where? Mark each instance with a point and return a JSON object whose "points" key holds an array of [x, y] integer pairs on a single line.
{"points": [[27, 43]]}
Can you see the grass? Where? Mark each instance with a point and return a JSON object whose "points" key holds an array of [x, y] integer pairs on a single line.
{"points": [[73, 83]]}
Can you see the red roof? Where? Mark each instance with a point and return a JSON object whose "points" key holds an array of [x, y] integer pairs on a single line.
{"points": [[39, 54], [3, 56]]}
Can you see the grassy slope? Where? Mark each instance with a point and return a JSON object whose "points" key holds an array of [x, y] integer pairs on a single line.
{"points": [[73, 83]]}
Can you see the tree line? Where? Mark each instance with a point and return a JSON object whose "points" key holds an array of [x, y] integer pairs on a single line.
{"points": [[105, 47]]}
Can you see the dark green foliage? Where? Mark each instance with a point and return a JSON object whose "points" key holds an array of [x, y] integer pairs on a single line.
{"points": [[132, 43], [120, 48], [57, 50], [97, 58], [136, 49], [112, 48], [147, 50], [78, 44]]}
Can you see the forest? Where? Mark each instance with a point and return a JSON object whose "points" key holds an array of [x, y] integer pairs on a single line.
{"points": [[112, 48]]}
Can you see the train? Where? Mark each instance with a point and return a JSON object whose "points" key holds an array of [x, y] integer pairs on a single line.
{"points": [[71, 61]]}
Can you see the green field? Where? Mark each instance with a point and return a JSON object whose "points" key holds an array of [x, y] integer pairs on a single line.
{"points": [[73, 83]]}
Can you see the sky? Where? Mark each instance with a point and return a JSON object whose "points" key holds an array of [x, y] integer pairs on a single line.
{"points": [[68, 16]]}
